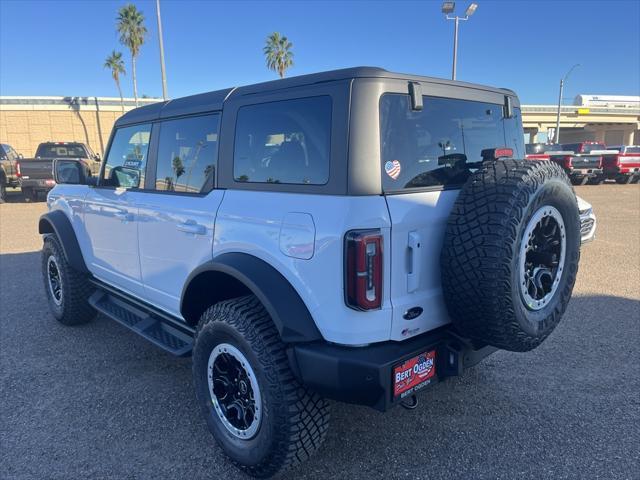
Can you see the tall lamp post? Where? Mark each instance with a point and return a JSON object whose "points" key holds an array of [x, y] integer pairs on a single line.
{"points": [[162, 70], [556, 138], [447, 9]]}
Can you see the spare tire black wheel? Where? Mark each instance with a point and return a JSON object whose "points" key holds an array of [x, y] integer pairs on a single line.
{"points": [[511, 252]]}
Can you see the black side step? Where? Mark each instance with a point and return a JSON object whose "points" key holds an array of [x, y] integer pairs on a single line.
{"points": [[155, 329]]}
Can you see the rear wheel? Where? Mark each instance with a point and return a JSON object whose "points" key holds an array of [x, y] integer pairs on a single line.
{"points": [[511, 252], [624, 179], [596, 181], [67, 290], [579, 180], [28, 194], [263, 419]]}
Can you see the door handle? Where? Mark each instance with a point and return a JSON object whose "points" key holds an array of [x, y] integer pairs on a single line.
{"points": [[192, 227], [413, 277], [124, 216]]}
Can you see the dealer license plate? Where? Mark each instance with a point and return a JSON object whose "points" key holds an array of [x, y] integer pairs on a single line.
{"points": [[413, 374]]}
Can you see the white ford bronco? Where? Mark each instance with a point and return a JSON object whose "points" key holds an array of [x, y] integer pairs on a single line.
{"points": [[354, 235]]}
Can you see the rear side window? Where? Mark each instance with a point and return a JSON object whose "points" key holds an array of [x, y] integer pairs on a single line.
{"points": [[125, 164], [440, 145], [187, 154], [284, 142]]}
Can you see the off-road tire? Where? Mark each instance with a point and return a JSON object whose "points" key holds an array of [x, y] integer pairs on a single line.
{"points": [[294, 421], [74, 308], [481, 253]]}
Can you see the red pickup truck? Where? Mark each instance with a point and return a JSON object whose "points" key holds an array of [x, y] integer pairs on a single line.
{"points": [[623, 166], [582, 161]]}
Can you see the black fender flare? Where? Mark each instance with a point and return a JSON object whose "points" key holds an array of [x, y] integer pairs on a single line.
{"points": [[58, 223], [283, 303]]}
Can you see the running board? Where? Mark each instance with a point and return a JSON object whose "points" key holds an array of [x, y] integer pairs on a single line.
{"points": [[158, 331]]}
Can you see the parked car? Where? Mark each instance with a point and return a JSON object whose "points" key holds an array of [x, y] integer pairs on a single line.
{"points": [[9, 173], [622, 164], [36, 175], [581, 161], [355, 235]]}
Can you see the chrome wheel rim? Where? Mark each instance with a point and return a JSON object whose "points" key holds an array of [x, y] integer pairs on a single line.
{"points": [[54, 280], [542, 257], [234, 391]]}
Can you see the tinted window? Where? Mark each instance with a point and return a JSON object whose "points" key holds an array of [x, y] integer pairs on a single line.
{"points": [[571, 147], [632, 150], [590, 147], [187, 154], [284, 142], [8, 152], [61, 151], [442, 143], [128, 157]]}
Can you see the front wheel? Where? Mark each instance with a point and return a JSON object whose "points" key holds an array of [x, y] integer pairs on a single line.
{"points": [[263, 419], [67, 289], [3, 192]]}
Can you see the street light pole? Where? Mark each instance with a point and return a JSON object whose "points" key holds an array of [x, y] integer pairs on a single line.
{"points": [[556, 138], [162, 70], [455, 48], [447, 9]]}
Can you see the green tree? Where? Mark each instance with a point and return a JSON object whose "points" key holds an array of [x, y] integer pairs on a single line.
{"points": [[278, 54], [178, 169], [114, 63], [130, 26]]}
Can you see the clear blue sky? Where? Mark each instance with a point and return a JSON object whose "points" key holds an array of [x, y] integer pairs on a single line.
{"points": [[59, 47]]}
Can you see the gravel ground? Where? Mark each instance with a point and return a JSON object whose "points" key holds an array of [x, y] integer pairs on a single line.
{"points": [[99, 402]]}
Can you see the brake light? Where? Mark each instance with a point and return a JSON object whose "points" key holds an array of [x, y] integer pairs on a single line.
{"points": [[363, 269], [489, 154], [568, 161], [18, 172]]}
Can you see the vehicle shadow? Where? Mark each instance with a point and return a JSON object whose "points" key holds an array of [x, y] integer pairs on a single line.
{"points": [[119, 407]]}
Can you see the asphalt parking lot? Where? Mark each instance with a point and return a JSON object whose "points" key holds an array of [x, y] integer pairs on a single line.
{"points": [[97, 401]]}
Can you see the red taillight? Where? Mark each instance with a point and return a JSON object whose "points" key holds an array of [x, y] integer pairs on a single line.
{"points": [[363, 269], [568, 161], [18, 172]]}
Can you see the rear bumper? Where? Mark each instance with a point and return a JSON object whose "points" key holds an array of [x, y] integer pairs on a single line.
{"points": [[584, 172], [37, 184], [364, 375], [615, 172]]}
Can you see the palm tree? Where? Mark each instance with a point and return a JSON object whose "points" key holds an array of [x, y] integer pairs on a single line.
{"points": [[116, 65], [277, 52], [130, 26]]}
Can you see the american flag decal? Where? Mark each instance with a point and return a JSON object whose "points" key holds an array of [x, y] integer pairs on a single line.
{"points": [[392, 168]]}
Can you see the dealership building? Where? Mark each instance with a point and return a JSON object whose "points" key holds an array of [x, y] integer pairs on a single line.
{"points": [[27, 121]]}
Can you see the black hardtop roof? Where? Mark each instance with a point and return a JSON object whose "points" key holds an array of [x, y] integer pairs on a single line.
{"points": [[206, 102]]}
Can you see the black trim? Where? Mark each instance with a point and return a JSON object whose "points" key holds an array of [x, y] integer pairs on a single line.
{"points": [[158, 329], [363, 375], [287, 310], [166, 317], [56, 222]]}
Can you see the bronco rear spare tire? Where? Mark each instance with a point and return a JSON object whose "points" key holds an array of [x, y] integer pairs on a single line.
{"points": [[510, 254]]}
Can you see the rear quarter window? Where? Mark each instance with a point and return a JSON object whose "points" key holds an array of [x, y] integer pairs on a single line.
{"points": [[285, 142], [440, 145]]}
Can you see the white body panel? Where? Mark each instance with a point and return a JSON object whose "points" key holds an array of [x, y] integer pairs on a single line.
{"points": [[418, 226], [175, 237], [110, 221], [252, 223]]}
